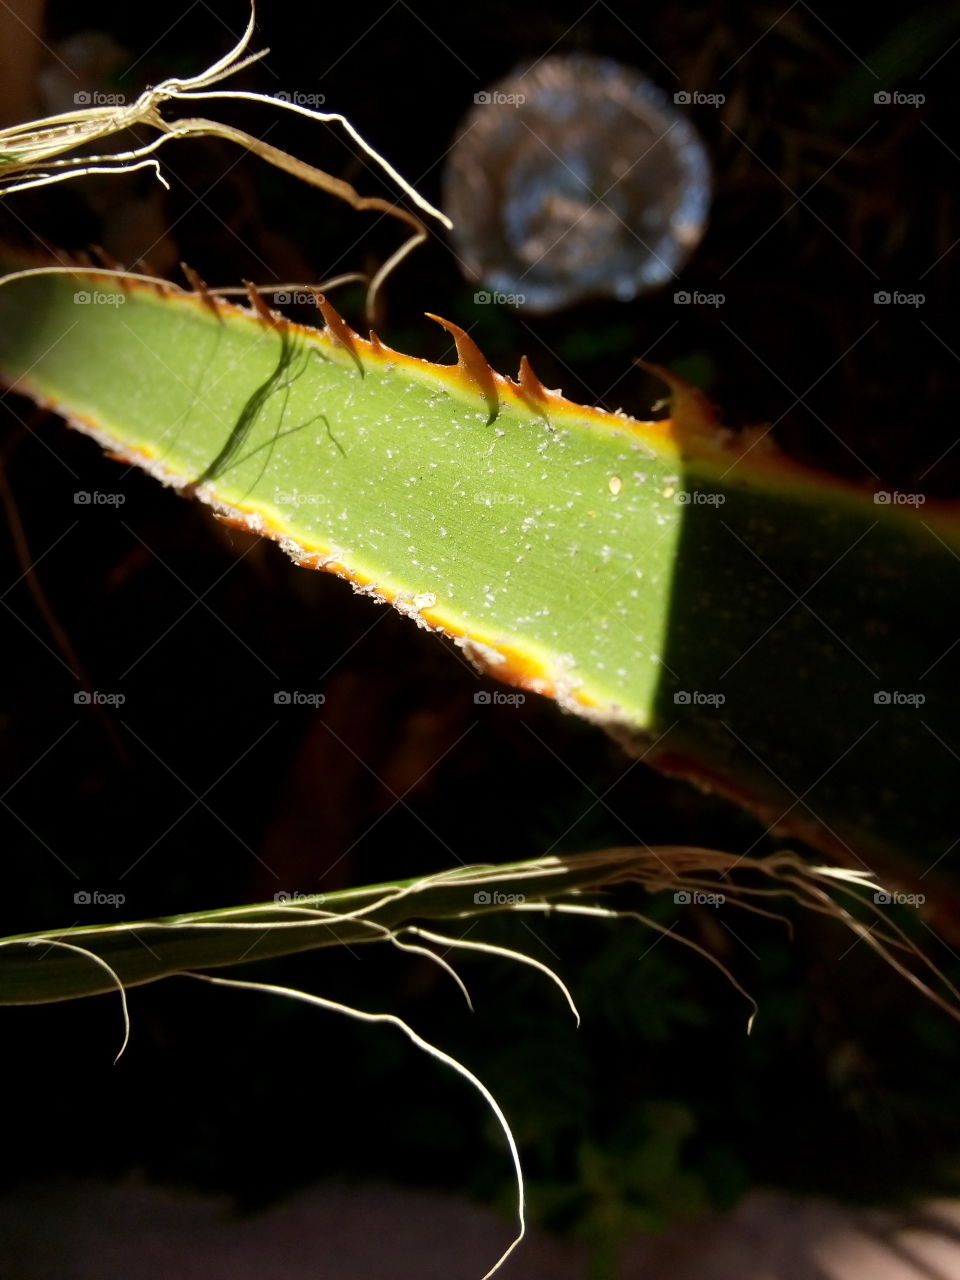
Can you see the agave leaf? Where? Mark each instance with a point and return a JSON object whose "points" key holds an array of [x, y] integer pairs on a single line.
{"points": [[770, 632]]}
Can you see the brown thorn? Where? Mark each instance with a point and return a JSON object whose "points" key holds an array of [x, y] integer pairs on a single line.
{"points": [[379, 346], [473, 365], [260, 307], [532, 391], [339, 330], [145, 267], [199, 286], [105, 259], [690, 411]]}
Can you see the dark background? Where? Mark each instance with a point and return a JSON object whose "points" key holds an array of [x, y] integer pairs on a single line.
{"points": [[848, 1084]]}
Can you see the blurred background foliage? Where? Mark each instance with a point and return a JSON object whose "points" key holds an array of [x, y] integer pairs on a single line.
{"points": [[201, 792]]}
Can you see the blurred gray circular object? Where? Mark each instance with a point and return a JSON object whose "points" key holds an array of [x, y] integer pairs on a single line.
{"points": [[576, 178]]}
